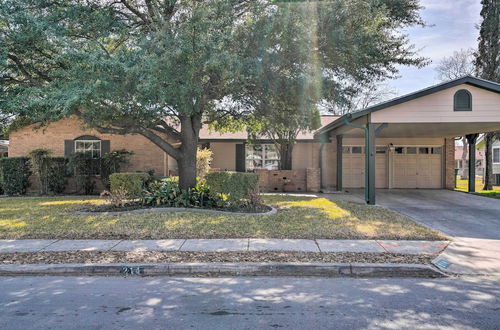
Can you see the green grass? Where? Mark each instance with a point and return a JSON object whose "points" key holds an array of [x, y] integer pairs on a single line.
{"points": [[462, 185], [298, 217]]}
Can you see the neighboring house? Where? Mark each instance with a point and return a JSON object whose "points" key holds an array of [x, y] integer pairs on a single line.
{"points": [[4, 148], [459, 164], [410, 141]]}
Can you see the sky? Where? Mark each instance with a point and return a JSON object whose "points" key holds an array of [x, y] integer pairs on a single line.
{"points": [[452, 27]]}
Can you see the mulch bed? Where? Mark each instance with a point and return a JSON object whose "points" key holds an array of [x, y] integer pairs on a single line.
{"points": [[133, 206], [96, 257]]}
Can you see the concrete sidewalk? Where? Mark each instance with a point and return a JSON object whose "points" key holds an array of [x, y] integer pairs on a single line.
{"points": [[224, 245]]}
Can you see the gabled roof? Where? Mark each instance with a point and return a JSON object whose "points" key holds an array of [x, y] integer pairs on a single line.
{"points": [[469, 80]]}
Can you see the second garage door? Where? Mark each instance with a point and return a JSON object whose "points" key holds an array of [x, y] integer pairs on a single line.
{"points": [[353, 163], [417, 167]]}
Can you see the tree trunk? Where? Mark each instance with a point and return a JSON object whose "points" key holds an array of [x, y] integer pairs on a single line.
{"points": [[488, 154], [285, 150], [190, 128], [465, 164]]}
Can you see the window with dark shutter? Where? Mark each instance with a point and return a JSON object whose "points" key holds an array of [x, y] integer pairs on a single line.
{"points": [[462, 101]]}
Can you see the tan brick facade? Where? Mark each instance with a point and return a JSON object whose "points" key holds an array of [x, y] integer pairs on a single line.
{"points": [[147, 156]]}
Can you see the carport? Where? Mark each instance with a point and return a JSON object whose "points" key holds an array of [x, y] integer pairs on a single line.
{"points": [[409, 142]]}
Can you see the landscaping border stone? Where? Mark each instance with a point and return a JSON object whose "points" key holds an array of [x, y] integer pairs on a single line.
{"points": [[175, 209], [226, 269]]}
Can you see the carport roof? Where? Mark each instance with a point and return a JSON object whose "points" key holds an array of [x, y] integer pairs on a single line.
{"points": [[473, 81]]}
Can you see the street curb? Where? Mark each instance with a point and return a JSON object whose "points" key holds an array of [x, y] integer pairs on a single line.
{"points": [[226, 269]]}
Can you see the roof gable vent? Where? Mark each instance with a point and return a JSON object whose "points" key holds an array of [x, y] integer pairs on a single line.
{"points": [[462, 100]]}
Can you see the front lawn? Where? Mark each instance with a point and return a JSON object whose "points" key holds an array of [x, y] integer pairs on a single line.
{"points": [[462, 185], [298, 217]]}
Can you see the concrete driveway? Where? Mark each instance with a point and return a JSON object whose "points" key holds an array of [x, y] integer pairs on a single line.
{"points": [[472, 221], [452, 213]]}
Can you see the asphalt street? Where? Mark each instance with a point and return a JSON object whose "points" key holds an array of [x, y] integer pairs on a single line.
{"points": [[248, 303]]}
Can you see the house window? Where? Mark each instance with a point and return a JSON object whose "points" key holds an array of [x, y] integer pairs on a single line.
{"points": [[496, 155], [357, 150], [411, 150], [92, 148], [423, 151], [462, 101], [437, 151], [263, 156]]}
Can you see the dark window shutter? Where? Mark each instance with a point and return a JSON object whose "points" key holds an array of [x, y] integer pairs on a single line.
{"points": [[105, 147], [69, 148], [240, 158]]}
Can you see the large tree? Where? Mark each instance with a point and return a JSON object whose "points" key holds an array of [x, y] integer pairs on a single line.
{"points": [[459, 64], [147, 67], [160, 68], [321, 51], [487, 63]]}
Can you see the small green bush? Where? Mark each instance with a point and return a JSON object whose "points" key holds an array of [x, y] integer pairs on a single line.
{"points": [[15, 173], [236, 188], [50, 172], [112, 162], [57, 174], [203, 159], [130, 184]]}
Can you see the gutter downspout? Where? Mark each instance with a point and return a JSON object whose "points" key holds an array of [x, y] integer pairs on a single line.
{"points": [[348, 123]]}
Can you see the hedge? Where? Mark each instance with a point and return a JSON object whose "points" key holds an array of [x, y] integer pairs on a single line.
{"points": [[235, 186], [15, 172], [132, 184]]}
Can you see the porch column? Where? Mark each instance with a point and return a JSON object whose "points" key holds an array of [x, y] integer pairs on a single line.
{"points": [[370, 154], [339, 162], [471, 140]]}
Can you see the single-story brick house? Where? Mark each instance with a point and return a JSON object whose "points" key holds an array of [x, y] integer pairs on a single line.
{"points": [[407, 142]]}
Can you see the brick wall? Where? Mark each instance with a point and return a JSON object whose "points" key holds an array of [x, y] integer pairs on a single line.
{"points": [[147, 156], [313, 179], [290, 181], [449, 164]]}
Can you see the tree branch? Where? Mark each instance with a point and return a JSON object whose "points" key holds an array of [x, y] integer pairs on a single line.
{"points": [[148, 134]]}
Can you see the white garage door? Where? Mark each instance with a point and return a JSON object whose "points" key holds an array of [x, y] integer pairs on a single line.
{"points": [[353, 163], [418, 167]]}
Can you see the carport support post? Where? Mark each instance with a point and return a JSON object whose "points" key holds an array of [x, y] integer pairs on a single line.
{"points": [[339, 162], [471, 140], [370, 154]]}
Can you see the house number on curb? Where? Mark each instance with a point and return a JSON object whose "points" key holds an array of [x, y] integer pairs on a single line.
{"points": [[132, 270]]}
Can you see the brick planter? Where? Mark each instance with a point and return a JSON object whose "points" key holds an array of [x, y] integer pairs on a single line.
{"points": [[290, 180]]}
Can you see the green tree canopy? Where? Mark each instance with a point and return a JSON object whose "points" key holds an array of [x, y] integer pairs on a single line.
{"points": [[160, 68], [328, 52]]}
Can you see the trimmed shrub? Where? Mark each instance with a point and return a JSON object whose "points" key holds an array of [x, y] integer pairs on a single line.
{"points": [[84, 169], [236, 188], [112, 162], [57, 174], [15, 173], [203, 160], [50, 171], [40, 164], [130, 185]]}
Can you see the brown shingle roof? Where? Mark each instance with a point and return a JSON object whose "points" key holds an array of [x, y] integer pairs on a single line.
{"points": [[206, 134]]}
